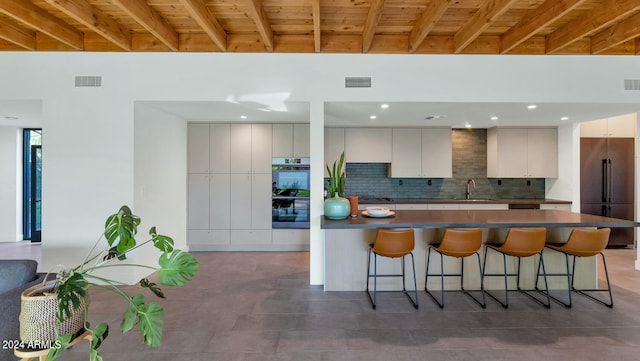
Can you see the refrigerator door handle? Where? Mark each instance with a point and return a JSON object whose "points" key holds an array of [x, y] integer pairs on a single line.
{"points": [[604, 181], [610, 181]]}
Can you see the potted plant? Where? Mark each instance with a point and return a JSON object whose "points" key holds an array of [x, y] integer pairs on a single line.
{"points": [[176, 268], [336, 207]]}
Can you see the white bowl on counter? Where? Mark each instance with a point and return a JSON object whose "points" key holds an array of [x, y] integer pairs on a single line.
{"points": [[378, 211]]}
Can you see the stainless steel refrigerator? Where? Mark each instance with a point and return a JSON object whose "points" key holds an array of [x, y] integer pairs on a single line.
{"points": [[607, 181]]}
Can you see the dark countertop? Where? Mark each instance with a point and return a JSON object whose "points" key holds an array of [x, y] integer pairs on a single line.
{"points": [[462, 200], [477, 219]]}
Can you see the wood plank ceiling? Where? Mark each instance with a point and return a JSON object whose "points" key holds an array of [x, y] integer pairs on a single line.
{"points": [[324, 26]]}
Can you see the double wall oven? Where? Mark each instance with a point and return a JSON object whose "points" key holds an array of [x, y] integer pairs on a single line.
{"points": [[290, 193]]}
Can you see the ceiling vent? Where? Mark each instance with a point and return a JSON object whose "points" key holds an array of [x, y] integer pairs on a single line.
{"points": [[90, 81], [632, 84], [357, 82]]}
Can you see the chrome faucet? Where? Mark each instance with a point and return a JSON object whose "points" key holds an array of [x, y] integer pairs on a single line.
{"points": [[469, 182]]}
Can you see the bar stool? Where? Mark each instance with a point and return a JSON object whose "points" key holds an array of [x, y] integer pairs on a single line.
{"points": [[458, 243], [393, 244], [584, 243], [520, 242]]}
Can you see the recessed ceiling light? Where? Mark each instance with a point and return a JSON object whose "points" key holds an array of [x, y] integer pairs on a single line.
{"points": [[532, 106], [467, 125], [494, 118], [243, 117], [564, 118], [384, 106], [372, 117]]}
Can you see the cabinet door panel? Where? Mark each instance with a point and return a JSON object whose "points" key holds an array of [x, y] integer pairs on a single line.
{"points": [[261, 148], [220, 201], [198, 201], [301, 146], [406, 154], [241, 148], [240, 210], [437, 153], [512, 153], [542, 153], [283, 140], [220, 147], [198, 148], [368, 145], [261, 201], [333, 146]]}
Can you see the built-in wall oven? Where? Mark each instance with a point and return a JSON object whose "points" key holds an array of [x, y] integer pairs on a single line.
{"points": [[290, 193]]}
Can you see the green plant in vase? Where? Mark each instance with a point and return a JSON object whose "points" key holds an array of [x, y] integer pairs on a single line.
{"points": [[176, 268], [336, 207]]}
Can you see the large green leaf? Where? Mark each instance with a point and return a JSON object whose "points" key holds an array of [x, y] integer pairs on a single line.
{"points": [[122, 228], [177, 268], [100, 333], [152, 287], [150, 324], [72, 290], [62, 342], [136, 303], [161, 242]]}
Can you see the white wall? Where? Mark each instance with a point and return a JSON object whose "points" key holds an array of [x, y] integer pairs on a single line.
{"points": [[89, 141], [10, 184], [160, 179], [567, 185]]}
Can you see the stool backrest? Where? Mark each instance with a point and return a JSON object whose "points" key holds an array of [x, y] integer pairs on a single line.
{"points": [[461, 242], [587, 242], [524, 242], [393, 242]]}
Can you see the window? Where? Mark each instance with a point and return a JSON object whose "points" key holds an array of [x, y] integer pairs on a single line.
{"points": [[32, 184]]}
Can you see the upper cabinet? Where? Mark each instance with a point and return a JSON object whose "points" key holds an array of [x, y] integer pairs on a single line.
{"points": [[290, 140], [522, 153], [333, 146], [251, 148], [208, 148], [623, 126], [367, 145], [421, 153]]}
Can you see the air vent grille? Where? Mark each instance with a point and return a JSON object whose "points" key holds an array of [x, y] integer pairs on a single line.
{"points": [[83, 81], [357, 82], [632, 84]]}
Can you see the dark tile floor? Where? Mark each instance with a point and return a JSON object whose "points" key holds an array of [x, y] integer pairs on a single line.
{"points": [[259, 306]]}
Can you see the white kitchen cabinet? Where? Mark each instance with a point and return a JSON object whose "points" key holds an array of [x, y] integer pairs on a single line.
{"points": [[220, 148], [333, 146], [290, 236], [250, 201], [437, 153], [290, 140], [198, 148], [522, 153], [240, 210], [261, 148], [421, 153], [406, 153], [219, 201], [240, 150], [367, 145], [261, 201], [558, 206], [301, 143], [198, 201], [623, 126]]}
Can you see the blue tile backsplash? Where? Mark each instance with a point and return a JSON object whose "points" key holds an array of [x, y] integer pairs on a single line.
{"points": [[370, 180]]}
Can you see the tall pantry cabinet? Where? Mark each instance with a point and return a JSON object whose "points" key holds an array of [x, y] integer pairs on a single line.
{"points": [[229, 186]]}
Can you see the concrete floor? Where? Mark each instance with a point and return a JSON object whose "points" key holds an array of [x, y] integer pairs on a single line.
{"points": [[259, 306]]}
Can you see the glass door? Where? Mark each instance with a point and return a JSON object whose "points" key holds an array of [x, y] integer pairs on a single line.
{"points": [[36, 193]]}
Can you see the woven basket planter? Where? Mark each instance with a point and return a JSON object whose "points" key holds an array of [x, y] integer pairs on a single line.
{"points": [[38, 320]]}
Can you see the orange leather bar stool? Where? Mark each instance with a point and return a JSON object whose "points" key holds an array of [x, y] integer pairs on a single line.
{"points": [[584, 243], [458, 243], [393, 244], [520, 242]]}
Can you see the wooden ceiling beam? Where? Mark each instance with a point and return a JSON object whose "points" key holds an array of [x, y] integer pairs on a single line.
{"points": [[430, 16], [375, 12], [480, 21], [315, 10], [27, 13], [17, 35], [96, 20], [262, 23], [609, 12], [617, 34], [536, 20], [198, 11], [151, 20]]}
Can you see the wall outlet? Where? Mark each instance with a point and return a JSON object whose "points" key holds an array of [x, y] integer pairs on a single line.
{"points": [[528, 183], [400, 182], [499, 182], [429, 182]]}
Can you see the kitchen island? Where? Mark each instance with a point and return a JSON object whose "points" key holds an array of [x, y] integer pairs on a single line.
{"points": [[346, 243]]}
